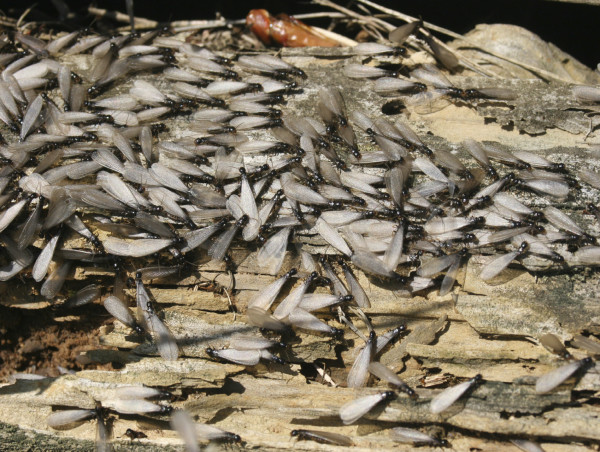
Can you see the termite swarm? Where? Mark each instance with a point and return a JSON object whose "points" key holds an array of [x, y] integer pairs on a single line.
{"points": [[91, 158]]}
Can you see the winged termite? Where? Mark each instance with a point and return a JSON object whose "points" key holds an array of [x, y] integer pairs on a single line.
{"points": [[315, 301], [330, 235], [358, 293], [416, 437], [445, 92], [243, 357], [266, 297], [394, 87], [496, 265], [322, 437], [556, 377], [198, 94], [210, 67], [538, 247], [355, 409], [268, 65], [207, 432], [359, 373], [554, 344], [147, 93], [362, 71], [384, 373], [374, 49], [447, 397], [505, 200], [562, 221], [537, 161], [167, 346], [119, 310]]}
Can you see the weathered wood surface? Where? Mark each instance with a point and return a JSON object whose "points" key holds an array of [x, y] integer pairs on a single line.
{"points": [[480, 329]]}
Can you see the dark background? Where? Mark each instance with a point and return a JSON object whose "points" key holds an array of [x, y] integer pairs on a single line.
{"points": [[575, 28]]}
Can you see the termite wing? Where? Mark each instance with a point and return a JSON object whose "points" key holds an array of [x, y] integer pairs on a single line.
{"points": [[447, 397], [357, 408], [192, 432]]}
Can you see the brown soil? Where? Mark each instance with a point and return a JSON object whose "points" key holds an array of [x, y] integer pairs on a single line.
{"points": [[38, 341]]}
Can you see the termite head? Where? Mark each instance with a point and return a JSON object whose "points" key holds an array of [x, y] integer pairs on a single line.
{"points": [[588, 239], [389, 395], [536, 216], [340, 164], [557, 258], [537, 229], [469, 237], [360, 202], [410, 392], [491, 172], [472, 93], [337, 333], [522, 248], [242, 221], [477, 221], [277, 360]]}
